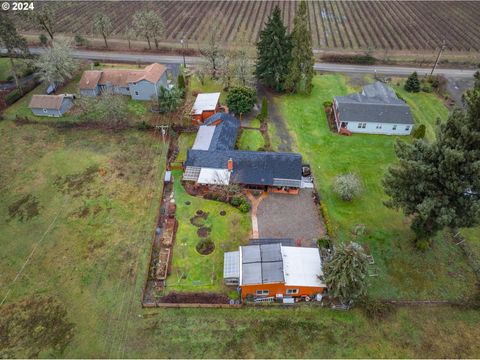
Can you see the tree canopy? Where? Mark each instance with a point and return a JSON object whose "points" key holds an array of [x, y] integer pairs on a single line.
{"points": [[241, 99], [345, 272], [300, 69], [273, 52], [149, 25], [438, 184], [412, 84], [56, 64], [102, 25]]}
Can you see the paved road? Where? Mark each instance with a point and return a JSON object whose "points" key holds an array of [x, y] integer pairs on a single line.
{"points": [[328, 67]]}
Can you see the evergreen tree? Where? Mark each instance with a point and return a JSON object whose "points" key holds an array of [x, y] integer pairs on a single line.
{"points": [[181, 82], [241, 99], [419, 131], [273, 52], [263, 110], [300, 69], [476, 84], [412, 84], [346, 272], [438, 184], [15, 45]]}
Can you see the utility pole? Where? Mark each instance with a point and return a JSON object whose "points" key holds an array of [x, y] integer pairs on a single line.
{"points": [[182, 41], [438, 57]]}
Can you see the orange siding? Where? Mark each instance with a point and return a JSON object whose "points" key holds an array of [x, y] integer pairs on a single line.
{"points": [[280, 288]]}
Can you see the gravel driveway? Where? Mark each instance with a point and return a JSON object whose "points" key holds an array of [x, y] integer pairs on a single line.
{"points": [[290, 216]]}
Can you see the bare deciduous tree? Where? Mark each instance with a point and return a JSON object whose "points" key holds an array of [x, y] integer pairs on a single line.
{"points": [[149, 25], [57, 64], [102, 25]]}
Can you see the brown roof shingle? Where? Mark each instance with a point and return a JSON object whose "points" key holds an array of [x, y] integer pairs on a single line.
{"points": [[90, 79], [121, 77], [47, 101]]}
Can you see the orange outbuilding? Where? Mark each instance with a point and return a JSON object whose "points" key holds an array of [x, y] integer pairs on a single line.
{"points": [[206, 104], [274, 271]]}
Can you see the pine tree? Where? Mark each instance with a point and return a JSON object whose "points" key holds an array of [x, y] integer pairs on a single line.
{"points": [[300, 69], [412, 84], [346, 272], [438, 184], [273, 52]]}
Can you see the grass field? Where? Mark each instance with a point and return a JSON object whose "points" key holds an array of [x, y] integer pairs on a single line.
{"points": [[403, 272], [85, 202]]}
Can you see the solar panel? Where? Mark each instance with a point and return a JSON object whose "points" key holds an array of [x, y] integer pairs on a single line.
{"points": [[191, 173]]}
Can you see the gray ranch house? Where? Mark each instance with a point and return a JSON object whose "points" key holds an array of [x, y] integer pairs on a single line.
{"points": [[375, 110], [139, 84], [51, 105]]}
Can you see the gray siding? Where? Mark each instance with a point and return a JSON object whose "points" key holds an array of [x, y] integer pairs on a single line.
{"points": [[47, 112], [89, 92], [66, 105], [143, 90]]}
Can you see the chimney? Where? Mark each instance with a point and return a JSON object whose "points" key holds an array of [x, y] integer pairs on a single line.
{"points": [[230, 164]]}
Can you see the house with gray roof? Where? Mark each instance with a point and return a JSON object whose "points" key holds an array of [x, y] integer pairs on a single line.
{"points": [[213, 160], [273, 270], [375, 110]]}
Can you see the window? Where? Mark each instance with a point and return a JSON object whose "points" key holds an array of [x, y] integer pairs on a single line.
{"points": [[394, 127], [262, 292], [128, 88], [379, 126], [292, 291], [362, 125], [136, 93], [407, 128]]}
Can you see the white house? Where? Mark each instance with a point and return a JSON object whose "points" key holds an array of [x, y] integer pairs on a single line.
{"points": [[375, 110]]}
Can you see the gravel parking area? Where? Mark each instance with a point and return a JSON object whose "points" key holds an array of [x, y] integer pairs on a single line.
{"points": [[290, 216]]}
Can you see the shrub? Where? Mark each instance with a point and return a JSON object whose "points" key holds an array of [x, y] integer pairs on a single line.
{"points": [[376, 309], [96, 63], [347, 186], [262, 116], [43, 39], [244, 207], [324, 242], [327, 104], [181, 82], [422, 244], [419, 131], [426, 89], [412, 84], [236, 201], [79, 40], [365, 59], [359, 230], [12, 96], [10, 78], [327, 221], [241, 99]]}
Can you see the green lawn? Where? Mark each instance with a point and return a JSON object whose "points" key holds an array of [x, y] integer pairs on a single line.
{"points": [[5, 68], [251, 140], [403, 272], [426, 109], [192, 271], [209, 85]]}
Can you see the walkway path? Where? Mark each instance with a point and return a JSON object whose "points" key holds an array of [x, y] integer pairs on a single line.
{"points": [[255, 201], [276, 119]]}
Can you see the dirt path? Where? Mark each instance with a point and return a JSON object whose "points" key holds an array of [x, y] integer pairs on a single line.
{"points": [[276, 119]]}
